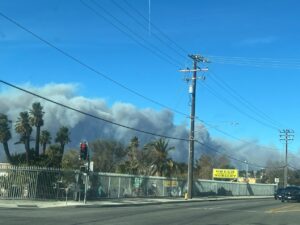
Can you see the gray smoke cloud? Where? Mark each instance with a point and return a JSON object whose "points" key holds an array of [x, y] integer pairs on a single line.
{"points": [[84, 127]]}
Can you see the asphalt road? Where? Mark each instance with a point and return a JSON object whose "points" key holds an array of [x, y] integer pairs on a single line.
{"points": [[256, 212]]}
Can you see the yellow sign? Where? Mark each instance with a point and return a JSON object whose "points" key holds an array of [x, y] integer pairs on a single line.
{"points": [[170, 183], [225, 173]]}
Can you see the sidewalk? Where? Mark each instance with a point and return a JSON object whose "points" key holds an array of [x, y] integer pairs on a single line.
{"points": [[116, 202]]}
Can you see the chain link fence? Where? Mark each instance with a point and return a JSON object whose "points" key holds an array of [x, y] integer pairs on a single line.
{"points": [[33, 182], [47, 183]]}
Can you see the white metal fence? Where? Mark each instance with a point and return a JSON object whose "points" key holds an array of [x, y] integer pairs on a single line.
{"points": [[46, 183]]}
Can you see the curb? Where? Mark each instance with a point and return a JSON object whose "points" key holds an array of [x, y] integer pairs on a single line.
{"points": [[168, 202], [27, 206], [108, 204]]}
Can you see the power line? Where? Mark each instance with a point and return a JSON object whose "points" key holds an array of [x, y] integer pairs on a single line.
{"points": [[90, 115], [286, 135], [253, 59], [236, 159], [234, 137], [145, 28], [88, 66], [293, 167], [185, 52], [105, 76], [239, 98], [132, 34], [223, 85], [121, 125], [248, 61], [223, 99], [257, 62]]}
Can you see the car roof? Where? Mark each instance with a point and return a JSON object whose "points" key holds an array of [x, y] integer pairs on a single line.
{"points": [[292, 187]]}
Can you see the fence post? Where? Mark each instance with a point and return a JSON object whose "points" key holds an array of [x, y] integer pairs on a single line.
{"points": [[108, 186], [147, 191], [119, 189], [36, 184]]}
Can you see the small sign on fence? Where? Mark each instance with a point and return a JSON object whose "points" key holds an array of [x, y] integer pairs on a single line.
{"points": [[170, 183], [137, 182]]}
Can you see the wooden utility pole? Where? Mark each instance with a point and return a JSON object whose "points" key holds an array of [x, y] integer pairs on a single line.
{"points": [[286, 135], [192, 90]]}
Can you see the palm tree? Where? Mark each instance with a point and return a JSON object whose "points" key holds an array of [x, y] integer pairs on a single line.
{"points": [[132, 152], [161, 164], [63, 138], [36, 119], [24, 129], [5, 135], [45, 139]]}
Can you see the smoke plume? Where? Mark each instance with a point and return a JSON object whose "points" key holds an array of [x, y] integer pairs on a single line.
{"points": [[83, 127]]}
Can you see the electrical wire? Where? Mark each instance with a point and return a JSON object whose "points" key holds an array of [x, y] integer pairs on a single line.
{"points": [[132, 34], [128, 14], [293, 167], [223, 99], [92, 69], [223, 85], [257, 62], [236, 159], [154, 26], [125, 126], [252, 59], [90, 115], [244, 61], [107, 77], [145, 28]]}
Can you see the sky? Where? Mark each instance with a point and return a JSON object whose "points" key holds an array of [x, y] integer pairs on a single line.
{"points": [[250, 91]]}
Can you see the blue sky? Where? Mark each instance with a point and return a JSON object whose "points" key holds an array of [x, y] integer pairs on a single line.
{"points": [[263, 34]]}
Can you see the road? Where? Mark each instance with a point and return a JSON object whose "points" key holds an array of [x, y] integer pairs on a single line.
{"points": [[240, 212]]}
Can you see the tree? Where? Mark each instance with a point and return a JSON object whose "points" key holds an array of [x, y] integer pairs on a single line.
{"points": [[274, 169], [204, 167], [36, 119], [45, 139], [181, 169], [62, 138], [24, 129], [108, 155], [294, 177], [5, 135], [223, 162], [132, 153], [53, 156], [161, 164], [71, 160]]}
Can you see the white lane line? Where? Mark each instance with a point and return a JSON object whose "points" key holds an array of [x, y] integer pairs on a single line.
{"points": [[223, 209]]}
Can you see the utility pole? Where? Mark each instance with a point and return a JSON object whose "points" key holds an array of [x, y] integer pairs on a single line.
{"points": [[286, 135], [247, 168], [192, 90]]}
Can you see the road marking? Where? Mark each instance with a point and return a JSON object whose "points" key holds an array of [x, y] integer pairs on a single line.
{"points": [[223, 209], [286, 208]]}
